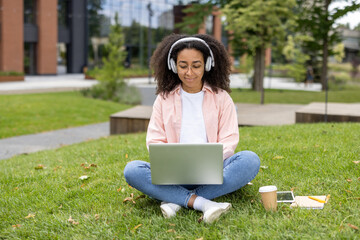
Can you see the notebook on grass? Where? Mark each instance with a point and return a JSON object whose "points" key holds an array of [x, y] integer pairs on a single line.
{"points": [[308, 203], [179, 163]]}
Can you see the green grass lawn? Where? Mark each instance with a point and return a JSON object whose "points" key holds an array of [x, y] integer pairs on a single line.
{"points": [[296, 97], [311, 159], [34, 113]]}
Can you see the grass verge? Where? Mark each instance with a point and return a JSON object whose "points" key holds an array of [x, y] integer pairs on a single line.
{"points": [[34, 113], [296, 97], [311, 159]]}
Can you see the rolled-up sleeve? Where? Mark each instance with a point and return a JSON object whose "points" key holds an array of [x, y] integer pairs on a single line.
{"points": [[156, 130], [228, 132]]}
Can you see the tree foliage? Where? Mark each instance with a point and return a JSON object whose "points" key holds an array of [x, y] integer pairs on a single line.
{"points": [[114, 63], [112, 85], [316, 20], [296, 58], [255, 24], [194, 19]]}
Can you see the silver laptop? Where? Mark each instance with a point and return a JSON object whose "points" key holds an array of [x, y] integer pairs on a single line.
{"points": [[180, 163]]}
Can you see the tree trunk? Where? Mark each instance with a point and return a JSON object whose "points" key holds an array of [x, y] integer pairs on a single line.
{"points": [[324, 67], [259, 69]]}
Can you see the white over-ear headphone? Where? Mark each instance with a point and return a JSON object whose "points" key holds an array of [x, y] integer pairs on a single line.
{"points": [[209, 61]]}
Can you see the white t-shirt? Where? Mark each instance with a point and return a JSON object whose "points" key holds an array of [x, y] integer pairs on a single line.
{"points": [[192, 119]]}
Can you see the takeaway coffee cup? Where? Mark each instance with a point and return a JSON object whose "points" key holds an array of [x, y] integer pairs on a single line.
{"points": [[269, 197]]}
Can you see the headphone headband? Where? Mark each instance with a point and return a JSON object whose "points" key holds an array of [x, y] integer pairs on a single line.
{"points": [[189, 39]]}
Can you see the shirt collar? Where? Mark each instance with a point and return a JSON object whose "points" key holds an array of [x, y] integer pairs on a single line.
{"points": [[206, 87]]}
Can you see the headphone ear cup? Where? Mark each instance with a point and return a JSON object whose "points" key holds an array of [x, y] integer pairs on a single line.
{"points": [[173, 65], [208, 64]]}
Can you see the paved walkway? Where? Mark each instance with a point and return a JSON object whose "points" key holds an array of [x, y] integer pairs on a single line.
{"points": [[10, 147], [251, 114]]}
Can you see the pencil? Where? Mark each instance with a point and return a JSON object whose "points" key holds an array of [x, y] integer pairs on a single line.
{"points": [[316, 199]]}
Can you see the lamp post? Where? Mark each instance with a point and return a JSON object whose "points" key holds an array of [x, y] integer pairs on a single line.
{"points": [[326, 98]]}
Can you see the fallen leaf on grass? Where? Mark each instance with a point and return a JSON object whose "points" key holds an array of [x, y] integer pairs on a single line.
{"points": [[16, 226], [171, 231], [126, 156], [131, 199], [136, 227], [356, 162], [30, 216], [119, 189], [348, 191], [172, 224], [72, 221], [57, 167], [277, 157], [88, 165], [353, 226], [200, 238], [348, 180], [97, 217]]}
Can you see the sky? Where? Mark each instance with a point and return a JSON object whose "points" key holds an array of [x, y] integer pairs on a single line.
{"points": [[352, 18]]}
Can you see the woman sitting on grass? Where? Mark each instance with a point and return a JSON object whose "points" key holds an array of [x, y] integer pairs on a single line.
{"points": [[192, 75]]}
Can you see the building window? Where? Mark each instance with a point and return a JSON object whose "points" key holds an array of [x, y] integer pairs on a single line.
{"points": [[29, 58], [63, 12], [30, 11]]}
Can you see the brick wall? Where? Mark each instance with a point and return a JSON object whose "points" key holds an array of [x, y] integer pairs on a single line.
{"points": [[47, 37], [11, 35]]}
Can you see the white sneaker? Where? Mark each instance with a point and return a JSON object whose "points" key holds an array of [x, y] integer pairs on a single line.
{"points": [[213, 213], [169, 209]]}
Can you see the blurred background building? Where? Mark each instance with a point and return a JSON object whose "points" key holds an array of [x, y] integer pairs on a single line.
{"points": [[40, 37], [63, 36]]}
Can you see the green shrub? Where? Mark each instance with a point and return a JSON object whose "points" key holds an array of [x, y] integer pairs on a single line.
{"points": [[11, 73], [340, 67], [111, 75], [116, 91], [337, 81]]}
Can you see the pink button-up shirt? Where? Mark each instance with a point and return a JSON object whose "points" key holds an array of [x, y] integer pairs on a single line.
{"points": [[219, 116]]}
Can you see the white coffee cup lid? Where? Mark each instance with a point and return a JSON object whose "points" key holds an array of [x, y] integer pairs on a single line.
{"points": [[267, 189]]}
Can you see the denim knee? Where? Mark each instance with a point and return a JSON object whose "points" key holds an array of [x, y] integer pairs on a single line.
{"points": [[131, 170], [253, 158]]}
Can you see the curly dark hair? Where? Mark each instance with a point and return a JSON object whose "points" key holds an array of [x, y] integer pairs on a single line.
{"points": [[167, 80]]}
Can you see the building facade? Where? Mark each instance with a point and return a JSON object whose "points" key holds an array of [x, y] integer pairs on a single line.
{"points": [[32, 30]]}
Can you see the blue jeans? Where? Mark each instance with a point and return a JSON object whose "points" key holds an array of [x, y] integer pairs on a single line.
{"points": [[239, 169]]}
